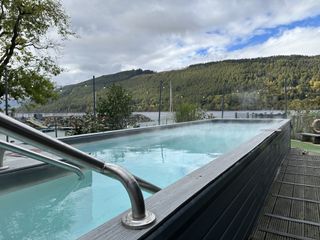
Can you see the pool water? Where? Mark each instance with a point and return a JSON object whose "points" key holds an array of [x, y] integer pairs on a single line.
{"points": [[66, 208], [164, 157]]}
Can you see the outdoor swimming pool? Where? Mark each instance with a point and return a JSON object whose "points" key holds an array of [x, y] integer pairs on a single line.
{"points": [[65, 208]]}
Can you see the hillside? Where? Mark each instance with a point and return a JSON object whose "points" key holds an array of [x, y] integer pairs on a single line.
{"points": [[247, 84]]}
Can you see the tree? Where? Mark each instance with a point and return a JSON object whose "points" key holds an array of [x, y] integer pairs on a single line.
{"points": [[188, 112], [260, 79], [25, 46], [114, 107]]}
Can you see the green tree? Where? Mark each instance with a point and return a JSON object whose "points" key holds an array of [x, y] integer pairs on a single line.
{"points": [[114, 107], [188, 112], [25, 46], [249, 84]]}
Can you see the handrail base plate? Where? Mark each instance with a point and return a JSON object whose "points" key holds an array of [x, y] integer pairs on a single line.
{"points": [[128, 221]]}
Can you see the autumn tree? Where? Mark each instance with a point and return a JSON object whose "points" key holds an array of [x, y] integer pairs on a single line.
{"points": [[26, 49]]}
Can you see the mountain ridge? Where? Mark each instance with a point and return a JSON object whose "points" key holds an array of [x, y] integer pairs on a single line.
{"points": [[253, 83]]}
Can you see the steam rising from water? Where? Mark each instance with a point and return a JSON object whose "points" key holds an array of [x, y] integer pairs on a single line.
{"points": [[163, 157]]}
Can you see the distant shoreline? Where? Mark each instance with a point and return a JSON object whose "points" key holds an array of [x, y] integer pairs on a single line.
{"points": [[153, 115]]}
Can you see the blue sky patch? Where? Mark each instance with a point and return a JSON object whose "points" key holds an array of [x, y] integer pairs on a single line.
{"points": [[263, 34], [202, 52]]}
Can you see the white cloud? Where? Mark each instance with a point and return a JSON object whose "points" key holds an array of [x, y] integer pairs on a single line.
{"points": [[160, 35], [304, 41]]}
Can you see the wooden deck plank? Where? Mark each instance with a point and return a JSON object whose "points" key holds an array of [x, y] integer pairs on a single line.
{"points": [[312, 212], [288, 178], [292, 208], [286, 189], [297, 210], [311, 231]]}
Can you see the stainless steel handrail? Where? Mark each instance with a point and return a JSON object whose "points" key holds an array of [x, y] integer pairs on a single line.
{"points": [[137, 218], [147, 186], [28, 153]]}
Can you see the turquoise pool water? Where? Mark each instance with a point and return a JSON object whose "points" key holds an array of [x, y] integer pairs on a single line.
{"points": [[66, 208]]}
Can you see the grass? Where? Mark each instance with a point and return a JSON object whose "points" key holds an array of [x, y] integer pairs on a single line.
{"points": [[310, 147]]}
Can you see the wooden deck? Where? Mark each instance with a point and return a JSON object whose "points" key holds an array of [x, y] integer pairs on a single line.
{"points": [[292, 207]]}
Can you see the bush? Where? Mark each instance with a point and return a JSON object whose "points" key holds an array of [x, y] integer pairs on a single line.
{"points": [[85, 124], [188, 112]]}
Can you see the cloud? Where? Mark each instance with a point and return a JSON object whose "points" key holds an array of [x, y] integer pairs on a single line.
{"points": [[304, 41], [118, 35]]}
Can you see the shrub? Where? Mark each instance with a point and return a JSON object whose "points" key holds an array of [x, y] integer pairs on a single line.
{"points": [[85, 124], [188, 112]]}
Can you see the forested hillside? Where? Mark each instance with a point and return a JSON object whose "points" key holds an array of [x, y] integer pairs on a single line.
{"points": [[247, 84]]}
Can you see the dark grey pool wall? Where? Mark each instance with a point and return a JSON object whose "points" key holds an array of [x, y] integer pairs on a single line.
{"points": [[218, 201], [228, 208]]}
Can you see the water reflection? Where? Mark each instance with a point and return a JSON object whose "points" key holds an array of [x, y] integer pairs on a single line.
{"points": [[163, 157], [41, 210]]}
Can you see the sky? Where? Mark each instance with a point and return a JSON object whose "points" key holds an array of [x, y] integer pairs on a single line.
{"points": [[161, 35]]}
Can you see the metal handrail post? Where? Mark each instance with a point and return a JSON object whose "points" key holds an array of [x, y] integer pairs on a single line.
{"points": [[28, 153], [138, 218]]}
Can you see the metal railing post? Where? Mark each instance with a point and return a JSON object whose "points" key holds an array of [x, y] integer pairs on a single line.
{"points": [[94, 96], [6, 92], [160, 102]]}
